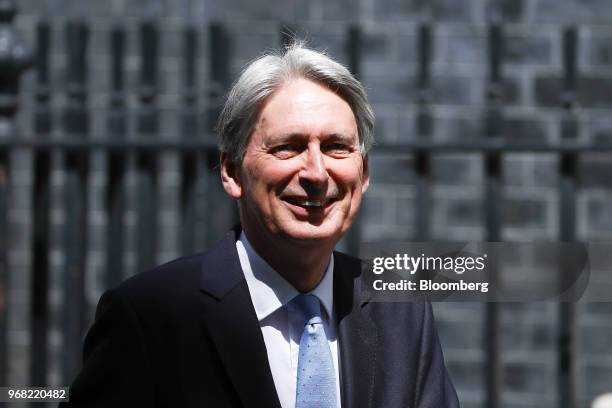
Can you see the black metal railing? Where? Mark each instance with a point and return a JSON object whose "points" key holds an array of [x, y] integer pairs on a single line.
{"points": [[196, 154]]}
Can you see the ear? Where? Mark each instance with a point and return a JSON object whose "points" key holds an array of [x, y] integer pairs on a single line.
{"points": [[366, 174], [230, 177]]}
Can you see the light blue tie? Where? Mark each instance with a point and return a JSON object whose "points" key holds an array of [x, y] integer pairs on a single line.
{"points": [[316, 378]]}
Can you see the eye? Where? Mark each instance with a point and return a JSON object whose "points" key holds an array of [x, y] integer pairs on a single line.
{"points": [[285, 150], [338, 148]]}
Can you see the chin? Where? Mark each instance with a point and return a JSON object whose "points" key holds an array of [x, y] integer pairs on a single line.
{"points": [[313, 233]]}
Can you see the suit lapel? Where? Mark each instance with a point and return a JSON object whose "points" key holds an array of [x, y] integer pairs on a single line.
{"points": [[234, 329], [356, 333], [231, 321]]}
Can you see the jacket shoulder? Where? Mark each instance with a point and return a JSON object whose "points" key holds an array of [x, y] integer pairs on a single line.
{"points": [[181, 276], [176, 275]]}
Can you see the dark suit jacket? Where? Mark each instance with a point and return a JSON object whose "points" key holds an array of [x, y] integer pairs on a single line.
{"points": [[186, 335]]}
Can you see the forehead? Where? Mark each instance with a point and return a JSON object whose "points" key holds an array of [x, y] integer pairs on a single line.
{"points": [[303, 105]]}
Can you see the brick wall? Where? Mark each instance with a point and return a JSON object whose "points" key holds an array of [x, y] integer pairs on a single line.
{"points": [[531, 97]]}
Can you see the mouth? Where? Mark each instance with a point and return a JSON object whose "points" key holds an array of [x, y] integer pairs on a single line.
{"points": [[310, 203]]}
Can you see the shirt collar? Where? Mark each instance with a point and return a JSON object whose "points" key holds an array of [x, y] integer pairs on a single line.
{"points": [[269, 290]]}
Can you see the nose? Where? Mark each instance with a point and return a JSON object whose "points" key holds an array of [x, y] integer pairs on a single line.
{"points": [[314, 170]]}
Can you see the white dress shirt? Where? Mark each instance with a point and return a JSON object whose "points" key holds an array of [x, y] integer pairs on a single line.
{"points": [[282, 325]]}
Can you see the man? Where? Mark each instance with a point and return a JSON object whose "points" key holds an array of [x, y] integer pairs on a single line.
{"points": [[272, 316]]}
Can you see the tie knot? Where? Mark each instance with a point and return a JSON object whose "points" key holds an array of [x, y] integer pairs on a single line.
{"points": [[309, 306]]}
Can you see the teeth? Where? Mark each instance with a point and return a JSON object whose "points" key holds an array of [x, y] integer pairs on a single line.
{"points": [[309, 203], [313, 203]]}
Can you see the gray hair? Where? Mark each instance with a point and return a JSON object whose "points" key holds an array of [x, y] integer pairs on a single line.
{"points": [[262, 77]]}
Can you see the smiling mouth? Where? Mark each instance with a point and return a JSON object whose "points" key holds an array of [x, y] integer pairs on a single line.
{"points": [[309, 203]]}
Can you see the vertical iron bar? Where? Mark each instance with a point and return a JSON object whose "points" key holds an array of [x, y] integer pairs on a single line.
{"points": [[570, 45], [422, 164], [41, 238], [3, 264], [568, 384], [422, 158], [189, 130], [355, 41], [76, 125], [117, 119], [149, 47], [40, 263], [493, 116], [43, 89], [219, 45], [219, 70], [148, 126], [117, 129], [115, 204], [76, 120], [493, 368], [354, 57], [189, 172], [6, 112], [75, 234], [567, 344], [190, 94], [493, 202]]}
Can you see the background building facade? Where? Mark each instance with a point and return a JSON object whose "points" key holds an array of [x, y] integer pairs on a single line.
{"points": [[127, 82]]}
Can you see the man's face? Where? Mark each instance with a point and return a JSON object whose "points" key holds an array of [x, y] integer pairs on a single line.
{"points": [[303, 175]]}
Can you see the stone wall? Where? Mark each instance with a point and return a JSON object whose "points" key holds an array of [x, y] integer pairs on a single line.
{"points": [[531, 98]]}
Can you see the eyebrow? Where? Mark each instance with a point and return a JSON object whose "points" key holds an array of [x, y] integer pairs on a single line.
{"points": [[332, 136], [341, 137], [285, 137]]}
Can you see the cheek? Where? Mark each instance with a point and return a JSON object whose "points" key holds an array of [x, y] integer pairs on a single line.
{"points": [[280, 175], [349, 177], [265, 183], [255, 176]]}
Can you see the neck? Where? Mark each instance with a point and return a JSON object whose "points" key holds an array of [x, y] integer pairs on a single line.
{"points": [[303, 265]]}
